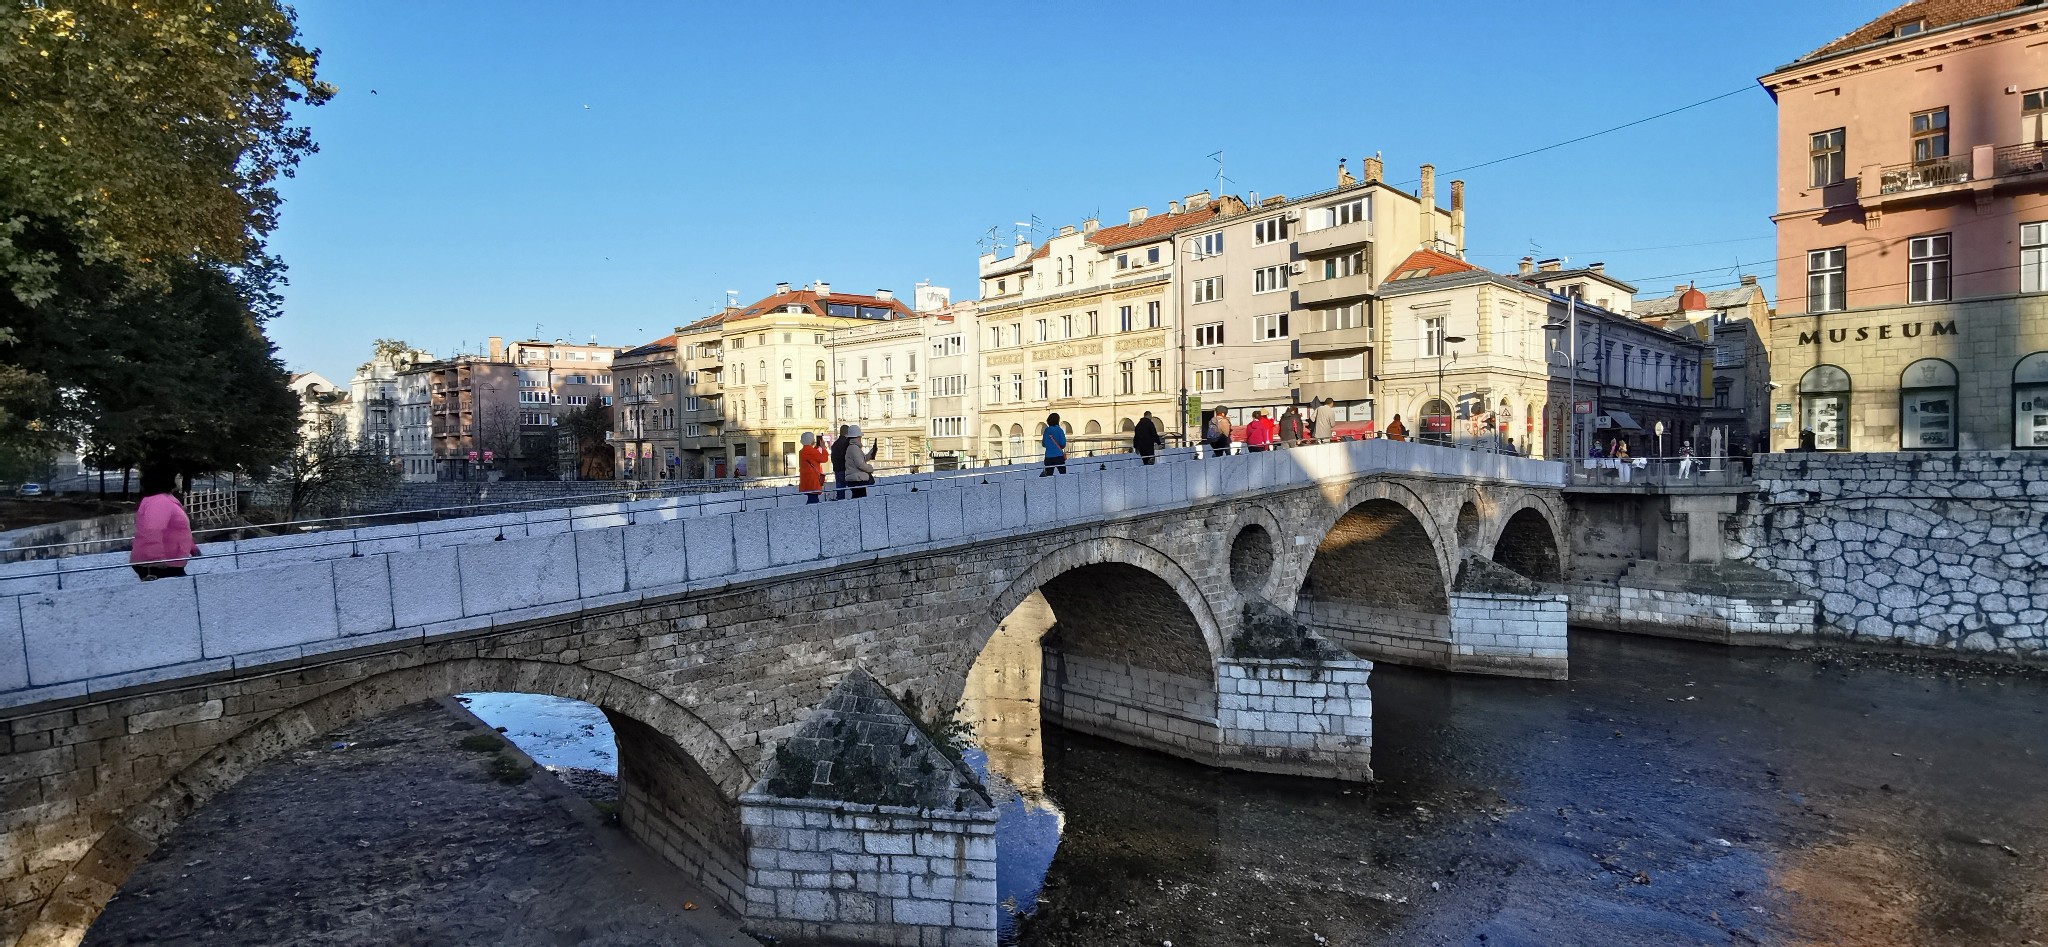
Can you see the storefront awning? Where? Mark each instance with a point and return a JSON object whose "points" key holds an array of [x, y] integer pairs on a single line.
{"points": [[1623, 421]]}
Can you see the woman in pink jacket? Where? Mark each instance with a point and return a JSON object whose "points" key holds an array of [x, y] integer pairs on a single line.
{"points": [[163, 535]]}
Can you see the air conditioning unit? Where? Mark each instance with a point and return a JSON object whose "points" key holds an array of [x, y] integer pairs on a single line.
{"points": [[1293, 215], [910, 378], [1294, 366], [1296, 269]]}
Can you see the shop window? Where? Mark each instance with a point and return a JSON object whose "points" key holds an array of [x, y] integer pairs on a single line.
{"points": [[2030, 402], [1927, 406], [1824, 407]]}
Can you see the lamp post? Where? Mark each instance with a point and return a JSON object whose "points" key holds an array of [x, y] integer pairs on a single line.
{"points": [[1572, 379], [1443, 343]]}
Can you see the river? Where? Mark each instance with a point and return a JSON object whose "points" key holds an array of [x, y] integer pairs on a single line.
{"points": [[1669, 793]]}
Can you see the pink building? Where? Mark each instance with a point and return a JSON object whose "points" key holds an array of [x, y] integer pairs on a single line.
{"points": [[1912, 220]]}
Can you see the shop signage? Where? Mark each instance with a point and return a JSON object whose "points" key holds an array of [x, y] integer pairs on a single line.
{"points": [[1906, 330]]}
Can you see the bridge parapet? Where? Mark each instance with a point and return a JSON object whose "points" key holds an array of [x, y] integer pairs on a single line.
{"points": [[72, 632]]}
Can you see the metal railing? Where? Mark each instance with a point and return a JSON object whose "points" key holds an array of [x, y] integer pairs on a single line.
{"points": [[2019, 159], [1658, 471], [1920, 175]]}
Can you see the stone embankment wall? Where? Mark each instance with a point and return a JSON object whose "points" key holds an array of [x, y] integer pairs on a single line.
{"points": [[1308, 717], [1934, 550]]}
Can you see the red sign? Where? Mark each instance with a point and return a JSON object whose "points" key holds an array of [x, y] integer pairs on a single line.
{"points": [[1582, 407], [472, 457], [487, 457], [1436, 424]]}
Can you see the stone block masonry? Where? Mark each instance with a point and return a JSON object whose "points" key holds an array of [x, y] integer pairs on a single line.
{"points": [[1510, 634], [1929, 550], [1159, 710], [1303, 717]]}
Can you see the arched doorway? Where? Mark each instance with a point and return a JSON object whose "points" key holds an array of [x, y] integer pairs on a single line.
{"points": [[1433, 423], [1824, 407]]}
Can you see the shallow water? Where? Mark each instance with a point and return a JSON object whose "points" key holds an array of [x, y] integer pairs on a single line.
{"points": [[1670, 793]]}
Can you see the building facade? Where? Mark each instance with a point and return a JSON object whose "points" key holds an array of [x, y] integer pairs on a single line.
{"points": [[323, 406], [474, 412], [554, 377], [412, 428], [1737, 416], [1912, 221], [373, 395], [877, 375], [647, 412], [952, 347]]}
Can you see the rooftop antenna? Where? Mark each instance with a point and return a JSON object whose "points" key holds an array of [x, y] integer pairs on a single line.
{"points": [[1024, 228], [732, 298], [1220, 178]]}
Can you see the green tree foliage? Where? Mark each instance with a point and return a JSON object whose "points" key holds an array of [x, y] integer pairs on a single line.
{"points": [[150, 131]]}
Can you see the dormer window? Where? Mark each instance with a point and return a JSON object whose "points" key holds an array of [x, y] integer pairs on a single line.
{"points": [[1908, 29]]}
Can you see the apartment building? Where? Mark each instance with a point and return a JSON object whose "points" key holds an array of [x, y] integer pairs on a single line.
{"points": [[1912, 222], [1474, 357], [1734, 319], [875, 369], [647, 413], [373, 395], [412, 427], [954, 434], [474, 413], [1281, 297], [1085, 325], [323, 406], [700, 397]]}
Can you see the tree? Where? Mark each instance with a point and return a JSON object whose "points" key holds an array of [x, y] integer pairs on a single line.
{"points": [[333, 475], [149, 131], [587, 426]]}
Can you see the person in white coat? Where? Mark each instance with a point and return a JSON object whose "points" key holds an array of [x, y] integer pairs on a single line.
{"points": [[860, 468]]}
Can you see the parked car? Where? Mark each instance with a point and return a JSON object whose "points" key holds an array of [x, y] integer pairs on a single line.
{"points": [[29, 490]]}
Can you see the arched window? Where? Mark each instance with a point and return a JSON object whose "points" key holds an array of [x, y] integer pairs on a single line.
{"points": [[2030, 401], [788, 369], [1127, 425], [1927, 406], [1094, 427], [995, 440], [1824, 406], [821, 369], [742, 366], [1434, 424], [1017, 440]]}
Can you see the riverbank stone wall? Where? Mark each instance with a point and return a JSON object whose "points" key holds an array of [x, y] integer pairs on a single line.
{"points": [[1929, 550]]}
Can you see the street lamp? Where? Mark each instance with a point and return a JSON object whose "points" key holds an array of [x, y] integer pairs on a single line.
{"points": [[1572, 380], [1442, 343]]}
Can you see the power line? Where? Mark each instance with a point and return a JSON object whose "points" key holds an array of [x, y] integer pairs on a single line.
{"points": [[1604, 131], [1669, 246]]}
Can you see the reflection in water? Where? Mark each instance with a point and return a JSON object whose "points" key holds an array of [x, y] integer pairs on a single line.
{"points": [[1001, 704], [558, 733]]}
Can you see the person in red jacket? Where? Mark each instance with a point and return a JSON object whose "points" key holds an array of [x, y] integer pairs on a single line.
{"points": [[1258, 435], [810, 469]]}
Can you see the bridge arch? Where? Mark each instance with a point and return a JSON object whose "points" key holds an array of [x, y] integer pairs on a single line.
{"points": [[1528, 541], [652, 723], [1106, 554]]}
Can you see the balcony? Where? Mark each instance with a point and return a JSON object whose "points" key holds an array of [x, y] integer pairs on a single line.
{"points": [[1357, 389], [1334, 239], [1341, 289], [1979, 171], [1334, 340], [702, 442]]}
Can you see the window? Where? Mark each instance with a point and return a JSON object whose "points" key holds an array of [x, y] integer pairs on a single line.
{"points": [[1092, 323], [1432, 337], [1824, 406], [789, 408], [1827, 288], [1123, 318], [995, 336], [2034, 117], [2034, 257], [1044, 384], [1152, 315], [2030, 402], [1350, 264], [1066, 383], [888, 366], [1270, 327], [819, 370], [946, 345], [946, 427], [1349, 368], [1208, 245], [910, 403], [1269, 279], [863, 369], [995, 389], [1123, 261], [788, 369], [1909, 28], [861, 400], [818, 408], [949, 386], [1016, 386], [1928, 270], [1930, 135], [1208, 379], [1016, 333], [1151, 254], [1345, 317], [1042, 330], [1094, 380], [1270, 230], [1337, 215], [1209, 290], [1209, 335], [1269, 376], [1155, 371], [1126, 377], [1827, 157], [1927, 406]]}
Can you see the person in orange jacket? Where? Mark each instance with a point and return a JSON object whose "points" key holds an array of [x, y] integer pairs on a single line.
{"points": [[810, 469]]}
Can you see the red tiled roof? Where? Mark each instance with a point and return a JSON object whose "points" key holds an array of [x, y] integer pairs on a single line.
{"points": [[1153, 228], [1933, 14], [814, 304], [1429, 263], [665, 342]]}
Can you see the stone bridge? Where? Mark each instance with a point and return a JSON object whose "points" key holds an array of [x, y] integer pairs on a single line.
{"points": [[755, 655]]}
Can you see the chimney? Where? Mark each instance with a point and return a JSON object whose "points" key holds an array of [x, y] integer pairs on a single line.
{"points": [[781, 288], [1597, 267], [1458, 215], [885, 295], [1528, 265], [1172, 208], [1749, 279], [1375, 169], [824, 289], [497, 348], [1199, 199], [1426, 204], [1090, 225], [1066, 230], [1551, 265], [1138, 215], [1679, 290]]}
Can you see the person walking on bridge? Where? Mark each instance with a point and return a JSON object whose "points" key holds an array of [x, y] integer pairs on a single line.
{"points": [[860, 472], [839, 462], [1290, 427], [1258, 435], [1217, 434], [1146, 440], [1396, 431], [810, 469], [1054, 438], [163, 534]]}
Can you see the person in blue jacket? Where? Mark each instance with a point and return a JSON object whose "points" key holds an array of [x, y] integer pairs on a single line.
{"points": [[1055, 441]]}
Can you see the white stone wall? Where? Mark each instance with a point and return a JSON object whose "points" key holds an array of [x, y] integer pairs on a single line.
{"points": [[1172, 713], [1514, 635], [1699, 616], [1311, 718], [1385, 634], [1931, 550], [819, 869]]}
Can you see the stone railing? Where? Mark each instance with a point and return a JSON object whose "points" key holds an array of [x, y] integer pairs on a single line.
{"points": [[86, 625]]}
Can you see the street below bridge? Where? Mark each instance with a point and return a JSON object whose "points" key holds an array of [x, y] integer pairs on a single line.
{"points": [[1670, 793]]}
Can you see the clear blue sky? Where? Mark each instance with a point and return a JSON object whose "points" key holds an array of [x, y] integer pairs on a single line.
{"points": [[612, 169]]}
